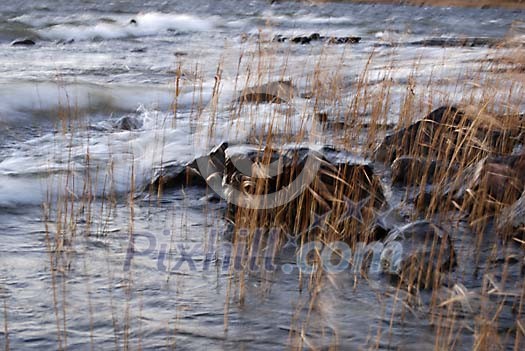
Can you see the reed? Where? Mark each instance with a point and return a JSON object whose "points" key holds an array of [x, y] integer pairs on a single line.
{"points": [[354, 118]]}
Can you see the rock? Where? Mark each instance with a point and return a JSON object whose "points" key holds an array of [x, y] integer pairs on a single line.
{"points": [[23, 42], [408, 170], [139, 50], [483, 188], [416, 254], [344, 40], [275, 92], [324, 180], [511, 221], [127, 123], [65, 42], [456, 42], [498, 180], [307, 39], [450, 134], [195, 173], [301, 40]]}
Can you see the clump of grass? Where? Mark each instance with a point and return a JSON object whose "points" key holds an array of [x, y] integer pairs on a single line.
{"points": [[489, 127]]}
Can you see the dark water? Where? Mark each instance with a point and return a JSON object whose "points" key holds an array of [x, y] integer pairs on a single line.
{"points": [[91, 66]]}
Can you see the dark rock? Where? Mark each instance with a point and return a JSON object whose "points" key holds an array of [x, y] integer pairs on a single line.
{"points": [[307, 39], [416, 254], [199, 172], [344, 40], [274, 92], [499, 180], [511, 221], [65, 42], [301, 40], [139, 50], [456, 42], [407, 170], [23, 42], [128, 123], [449, 133], [304, 181]]}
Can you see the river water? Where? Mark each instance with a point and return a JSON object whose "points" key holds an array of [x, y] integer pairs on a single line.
{"points": [[157, 61]]}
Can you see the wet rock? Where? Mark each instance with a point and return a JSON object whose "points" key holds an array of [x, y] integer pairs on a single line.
{"points": [[344, 40], [307, 39], [449, 133], [456, 42], [301, 184], [416, 254], [497, 180], [204, 169], [511, 221], [274, 92], [128, 123], [23, 42], [408, 141], [301, 40], [65, 42], [407, 170]]}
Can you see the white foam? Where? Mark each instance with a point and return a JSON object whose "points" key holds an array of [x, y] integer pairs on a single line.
{"points": [[146, 24], [19, 98]]}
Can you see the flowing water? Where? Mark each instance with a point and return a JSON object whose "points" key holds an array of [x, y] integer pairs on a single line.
{"points": [[97, 61]]}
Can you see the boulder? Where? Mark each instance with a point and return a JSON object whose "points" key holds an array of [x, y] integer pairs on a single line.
{"points": [[497, 180], [307, 39], [274, 92], [416, 254], [127, 123], [511, 221], [323, 181], [408, 170], [198, 172], [23, 42], [450, 134]]}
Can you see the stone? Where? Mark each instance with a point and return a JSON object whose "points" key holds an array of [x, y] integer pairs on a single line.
{"points": [[23, 42], [277, 92], [128, 123], [450, 134], [416, 254]]}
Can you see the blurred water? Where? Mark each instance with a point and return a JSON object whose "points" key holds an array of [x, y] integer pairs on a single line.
{"points": [[91, 64]]}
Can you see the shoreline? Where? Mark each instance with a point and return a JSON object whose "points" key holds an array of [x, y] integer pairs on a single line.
{"points": [[482, 4]]}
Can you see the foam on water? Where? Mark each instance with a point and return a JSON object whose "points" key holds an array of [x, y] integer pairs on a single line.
{"points": [[118, 162], [22, 99], [141, 25]]}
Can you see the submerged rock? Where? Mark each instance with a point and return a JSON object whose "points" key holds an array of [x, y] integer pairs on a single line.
{"points": [[127, 123], [416, 254], [456, 42], [23, 42], [307, 39], [274, 92]]}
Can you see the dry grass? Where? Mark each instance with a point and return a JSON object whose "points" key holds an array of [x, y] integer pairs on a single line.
{"points": [[460, 140]]}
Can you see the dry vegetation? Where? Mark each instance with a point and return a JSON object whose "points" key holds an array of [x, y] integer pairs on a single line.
{"points": [[463, 142]]}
